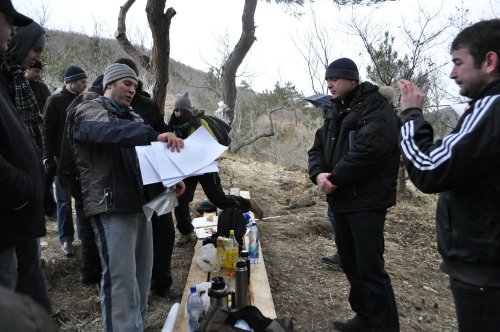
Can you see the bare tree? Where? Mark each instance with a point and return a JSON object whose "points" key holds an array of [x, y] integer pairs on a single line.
{"points": [[159, 21], [315, 48]]}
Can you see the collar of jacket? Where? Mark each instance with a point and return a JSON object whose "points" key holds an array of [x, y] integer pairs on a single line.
{"points": [[492, 88]]}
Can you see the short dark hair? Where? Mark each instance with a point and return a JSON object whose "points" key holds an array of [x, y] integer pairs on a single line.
{"points": [[480, 38], [130, 63]]}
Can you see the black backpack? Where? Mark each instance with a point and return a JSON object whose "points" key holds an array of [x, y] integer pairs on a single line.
{"points": [[219, 320], [219, 127], [232, 218]]}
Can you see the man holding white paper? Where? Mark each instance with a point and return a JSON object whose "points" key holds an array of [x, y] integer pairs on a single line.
{"points": [[105, 132]]}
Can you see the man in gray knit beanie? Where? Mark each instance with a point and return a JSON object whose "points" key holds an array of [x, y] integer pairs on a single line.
{"points": [[105, 132], [117, 71]]}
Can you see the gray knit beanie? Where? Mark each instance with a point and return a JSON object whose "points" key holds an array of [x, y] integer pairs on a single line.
{"points": [[182, 102], [116, 71]]}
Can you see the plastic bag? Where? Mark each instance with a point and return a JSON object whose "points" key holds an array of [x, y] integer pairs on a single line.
{"points": [[207, 258], [161, 204]]}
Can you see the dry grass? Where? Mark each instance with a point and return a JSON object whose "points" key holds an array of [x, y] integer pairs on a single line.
{"points": [[293, 243]]}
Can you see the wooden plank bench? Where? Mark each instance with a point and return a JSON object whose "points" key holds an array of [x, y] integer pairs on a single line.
{"points": [[261, 291]]}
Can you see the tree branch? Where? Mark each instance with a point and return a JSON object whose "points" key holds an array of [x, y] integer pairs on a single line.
{"points": [[121, 37]]}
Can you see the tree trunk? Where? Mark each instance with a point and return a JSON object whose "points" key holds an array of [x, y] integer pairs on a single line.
{"points": [[236, 57], [159, 22]]}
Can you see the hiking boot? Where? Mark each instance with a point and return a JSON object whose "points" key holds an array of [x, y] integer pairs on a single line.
{"points": [[185, 239], [351, 325], [332, 260], [255, 208], [67, 249]]}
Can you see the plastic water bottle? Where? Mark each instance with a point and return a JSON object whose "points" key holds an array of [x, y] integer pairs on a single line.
{"points": [[194, 309], [253, 244]]}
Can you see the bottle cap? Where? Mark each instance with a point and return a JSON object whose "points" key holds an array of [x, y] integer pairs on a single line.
{"points": [[193, 289], [244, 254], [218, 283], [231, 231]]}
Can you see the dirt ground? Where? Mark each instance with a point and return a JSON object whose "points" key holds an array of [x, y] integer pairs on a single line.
{"points": [[292, 242]]}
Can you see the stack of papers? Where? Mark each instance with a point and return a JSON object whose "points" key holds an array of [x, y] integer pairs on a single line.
{"points": [[159, 164], [204, 227]]}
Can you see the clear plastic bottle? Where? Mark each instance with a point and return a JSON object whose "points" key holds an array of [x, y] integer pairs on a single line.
{"points": [[253, 243], [232, 253], [194, 309]]}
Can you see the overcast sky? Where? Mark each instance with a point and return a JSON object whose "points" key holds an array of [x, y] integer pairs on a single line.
{"points": [[200, 25]]}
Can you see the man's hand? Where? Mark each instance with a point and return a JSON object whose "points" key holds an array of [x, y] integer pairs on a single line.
{"points": [[173, 142], [50, 167], [179, 188], [324, 183], [410, 95]]}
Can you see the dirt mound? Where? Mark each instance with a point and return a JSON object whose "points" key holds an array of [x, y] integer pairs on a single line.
{"points": [[293, 241]]}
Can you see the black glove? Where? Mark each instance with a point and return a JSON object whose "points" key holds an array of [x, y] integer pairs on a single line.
{"points": [[50, 166]]}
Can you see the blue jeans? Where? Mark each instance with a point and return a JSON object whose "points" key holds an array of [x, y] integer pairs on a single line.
{"points": [[65, 229], [478, 308], [20, 270], [125, 245], [360, 238], [331, 218]]}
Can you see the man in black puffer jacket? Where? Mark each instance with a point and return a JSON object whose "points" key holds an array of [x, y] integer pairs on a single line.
{"points": [[354, 161]]}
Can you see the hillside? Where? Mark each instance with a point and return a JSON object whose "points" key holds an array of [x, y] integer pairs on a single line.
{"points": [[293, 242]]}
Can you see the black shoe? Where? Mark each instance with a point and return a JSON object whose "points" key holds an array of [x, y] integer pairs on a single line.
{"points": [[351, 325], [332, 260], [172, 293], [185, 239], [90, 279], [258, 213]]}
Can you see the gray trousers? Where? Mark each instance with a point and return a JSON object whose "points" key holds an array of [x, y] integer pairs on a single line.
{"points": [[125, 245]]}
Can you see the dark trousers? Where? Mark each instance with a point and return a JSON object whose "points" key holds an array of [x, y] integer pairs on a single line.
{"points": [[163, 245], [360, 239], [49, 203], [30, 277], [210, 182], [90, 265], [478, 308]]}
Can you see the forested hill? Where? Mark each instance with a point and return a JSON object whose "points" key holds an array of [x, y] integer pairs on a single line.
{"points": [[278, 124], [93, 54]]}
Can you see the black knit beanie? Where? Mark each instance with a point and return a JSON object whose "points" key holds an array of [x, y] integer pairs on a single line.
{"points": [[342, 68], [73, 73]]}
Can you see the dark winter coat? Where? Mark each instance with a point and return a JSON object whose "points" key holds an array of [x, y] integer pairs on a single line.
{"points": [[41, 92], [358, 144], [54, 116], [21, 179], [464, 168], [104, 141]]}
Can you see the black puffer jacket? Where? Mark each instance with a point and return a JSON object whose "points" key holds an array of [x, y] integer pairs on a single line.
{"points": [[359, 146]]}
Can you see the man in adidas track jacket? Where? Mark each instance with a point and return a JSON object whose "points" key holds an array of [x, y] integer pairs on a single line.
{"points": [[464, 168]]}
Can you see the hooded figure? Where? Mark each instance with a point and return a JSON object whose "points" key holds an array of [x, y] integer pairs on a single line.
{"points": [[182, 121], [27, 40]]}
